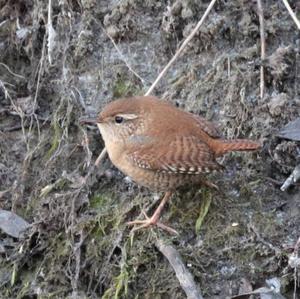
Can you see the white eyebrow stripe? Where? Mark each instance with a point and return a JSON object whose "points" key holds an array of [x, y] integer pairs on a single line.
{"points": [[127, 115]]}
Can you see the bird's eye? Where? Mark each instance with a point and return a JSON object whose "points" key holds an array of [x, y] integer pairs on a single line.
{"points": [[119, 119]]}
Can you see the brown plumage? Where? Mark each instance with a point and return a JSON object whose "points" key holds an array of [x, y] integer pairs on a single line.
{"points": [[162, 147]]}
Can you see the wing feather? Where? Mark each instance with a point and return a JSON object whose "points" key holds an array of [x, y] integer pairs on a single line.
{"points": [[186, 155], [207, 126]]}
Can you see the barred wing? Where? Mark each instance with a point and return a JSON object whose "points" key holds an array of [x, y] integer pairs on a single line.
{"points": [[185, 155]]}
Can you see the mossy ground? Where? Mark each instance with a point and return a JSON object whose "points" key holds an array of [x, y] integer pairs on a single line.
{"points": [[79, 245]]}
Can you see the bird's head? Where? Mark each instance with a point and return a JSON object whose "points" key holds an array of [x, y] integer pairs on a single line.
{"points": [[121, 119]]}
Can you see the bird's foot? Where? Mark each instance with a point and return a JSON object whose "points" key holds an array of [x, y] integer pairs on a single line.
{"points": [[149, 222]]}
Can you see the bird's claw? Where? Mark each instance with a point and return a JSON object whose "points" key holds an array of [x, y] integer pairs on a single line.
{"points": [[148, 222]]}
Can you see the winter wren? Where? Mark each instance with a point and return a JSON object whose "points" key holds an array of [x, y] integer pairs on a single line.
{"points": [[162, 147]]}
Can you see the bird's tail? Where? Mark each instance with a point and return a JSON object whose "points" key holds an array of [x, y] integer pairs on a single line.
{"points": [[222, 146]]}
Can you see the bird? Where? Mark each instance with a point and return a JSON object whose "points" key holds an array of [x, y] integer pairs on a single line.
{"points": [[162, 147]]}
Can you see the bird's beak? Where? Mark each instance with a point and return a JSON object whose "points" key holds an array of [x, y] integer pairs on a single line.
{"points": [[89, 121]]}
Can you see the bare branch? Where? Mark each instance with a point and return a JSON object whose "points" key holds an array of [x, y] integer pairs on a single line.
{"points": [[262, 47], [292, 179], [184, 276], [292, 14], [51, 33], [101, 157]]}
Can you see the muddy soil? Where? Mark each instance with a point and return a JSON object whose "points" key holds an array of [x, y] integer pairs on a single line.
{"points": [[55, 70]]}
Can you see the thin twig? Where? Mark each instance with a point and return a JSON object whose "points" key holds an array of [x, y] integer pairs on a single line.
{"points": [[51, 33], [184, 276], [292, 179], [294, 262], [41, 69], [184, 44], [252, 227], [292, 14], [123, 57], [4, 22], [101, 157], [263, 47], [182, 47], [11, 72]]}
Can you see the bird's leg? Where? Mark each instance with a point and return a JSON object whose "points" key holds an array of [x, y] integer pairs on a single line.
{"points": [[154, 219]]}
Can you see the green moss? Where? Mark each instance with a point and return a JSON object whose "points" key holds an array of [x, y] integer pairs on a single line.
{"points": [[13, 275], [124, 88], [60, 245], [190, 207], [121, 283], [59, 124], [108, 219], [55, 138], [24, 290], [205, 204], [119, 288], [99, 201]]}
